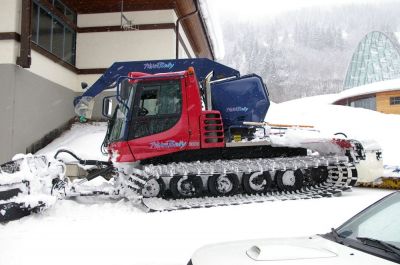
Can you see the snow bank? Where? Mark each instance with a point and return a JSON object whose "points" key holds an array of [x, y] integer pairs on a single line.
{"points": [[83, 139], [361, 124]]}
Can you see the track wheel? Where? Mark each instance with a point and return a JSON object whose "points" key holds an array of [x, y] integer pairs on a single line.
{"points": [[319, 175], [153, 188], [289, 180], [223, 184], [186, 186], [256, 182]]}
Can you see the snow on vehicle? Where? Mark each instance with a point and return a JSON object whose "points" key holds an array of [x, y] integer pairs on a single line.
{"points": [[370, 237], [188, 133]]}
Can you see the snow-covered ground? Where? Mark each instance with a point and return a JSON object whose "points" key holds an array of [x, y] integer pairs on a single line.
{"points": [[119, 233]]}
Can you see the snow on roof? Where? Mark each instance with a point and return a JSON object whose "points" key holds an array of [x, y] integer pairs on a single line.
{"points": [[314, 100], [388, 85]]}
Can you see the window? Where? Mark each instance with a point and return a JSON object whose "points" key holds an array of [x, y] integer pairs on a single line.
{"points": [[52, 33], [394, 100], [380, 221], [366, 103], [159, 108], [161, 99], [119, 119]]}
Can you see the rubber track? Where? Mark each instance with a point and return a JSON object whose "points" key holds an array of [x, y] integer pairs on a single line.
{"points": [[341, 177]]}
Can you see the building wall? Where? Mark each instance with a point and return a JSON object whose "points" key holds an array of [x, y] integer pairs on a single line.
{"points": [[37, 100], [101, 49], [9, 49], [43, 66], [383, 102], [30, 107], [11, 10], [97, 49]]}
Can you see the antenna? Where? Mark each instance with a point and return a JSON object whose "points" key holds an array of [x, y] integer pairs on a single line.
{"points": [[127, 24]]}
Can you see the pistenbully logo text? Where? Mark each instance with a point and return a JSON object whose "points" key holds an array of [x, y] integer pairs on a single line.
{"points": [[159, 65]]}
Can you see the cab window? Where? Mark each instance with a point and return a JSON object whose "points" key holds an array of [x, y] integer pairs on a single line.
{"points": [[159, 108]]}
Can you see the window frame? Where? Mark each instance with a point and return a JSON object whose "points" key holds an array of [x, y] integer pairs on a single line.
{"points": [[394, 100], [65, 27]]}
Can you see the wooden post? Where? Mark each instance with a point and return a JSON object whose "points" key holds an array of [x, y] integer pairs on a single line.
{"points": [[24, 59]]}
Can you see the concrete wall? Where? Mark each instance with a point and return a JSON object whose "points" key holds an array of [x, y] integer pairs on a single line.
{"points": [[30, 107]]}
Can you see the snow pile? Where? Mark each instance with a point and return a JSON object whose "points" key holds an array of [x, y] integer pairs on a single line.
{"points": [[364, 125], [82, 139]]}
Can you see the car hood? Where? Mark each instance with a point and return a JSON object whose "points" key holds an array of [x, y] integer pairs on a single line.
{"points": [[283, 251]]}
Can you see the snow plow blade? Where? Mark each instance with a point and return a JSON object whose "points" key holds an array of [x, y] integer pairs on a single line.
{"points": [[17, 177], [16, 210], [15, 201]]}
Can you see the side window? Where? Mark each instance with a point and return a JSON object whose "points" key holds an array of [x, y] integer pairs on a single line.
{"points": [[149, 100], [160, 99], [170, 99], [159, 108]]}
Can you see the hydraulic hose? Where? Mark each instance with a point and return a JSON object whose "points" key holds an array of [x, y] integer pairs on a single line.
{"points": [[83, 161]]}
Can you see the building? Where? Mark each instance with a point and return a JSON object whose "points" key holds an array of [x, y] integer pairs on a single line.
{"points": [[383, 96], [376, 58], [373, 76], [48, 47]]}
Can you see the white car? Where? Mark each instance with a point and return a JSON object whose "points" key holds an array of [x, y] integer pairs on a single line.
{"points": [[370, 237]]}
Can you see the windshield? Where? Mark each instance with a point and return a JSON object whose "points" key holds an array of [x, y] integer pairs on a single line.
{"points": [[380, 221], [119, 118], [376, 230]]}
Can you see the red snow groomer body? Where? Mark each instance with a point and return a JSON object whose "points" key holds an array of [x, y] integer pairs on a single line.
{"points": [[164, 116], [190, 133]]}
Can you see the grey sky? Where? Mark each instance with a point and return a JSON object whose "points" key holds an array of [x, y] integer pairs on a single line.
{"points": [[253, 9]]}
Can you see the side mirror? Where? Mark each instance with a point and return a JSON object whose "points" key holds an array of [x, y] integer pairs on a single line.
{"points": [[84, 85], [107, 107], [124, 91]]}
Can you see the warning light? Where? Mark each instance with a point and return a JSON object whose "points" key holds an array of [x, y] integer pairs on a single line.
{"points": [[191, 70]]}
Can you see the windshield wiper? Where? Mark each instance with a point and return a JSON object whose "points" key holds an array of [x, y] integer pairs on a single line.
{"points": [[374, 242], [336, 236]]}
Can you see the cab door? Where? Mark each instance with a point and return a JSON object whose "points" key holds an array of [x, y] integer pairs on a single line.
{"points": [[159, 122]]}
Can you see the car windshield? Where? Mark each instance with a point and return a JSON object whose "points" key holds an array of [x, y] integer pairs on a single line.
{"points": [[379, 222]]}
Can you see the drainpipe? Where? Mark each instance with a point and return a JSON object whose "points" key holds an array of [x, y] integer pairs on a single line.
{"points": [[177, 27]]}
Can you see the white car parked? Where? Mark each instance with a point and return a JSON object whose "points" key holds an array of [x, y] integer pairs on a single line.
{"points": [[370, 237]]}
